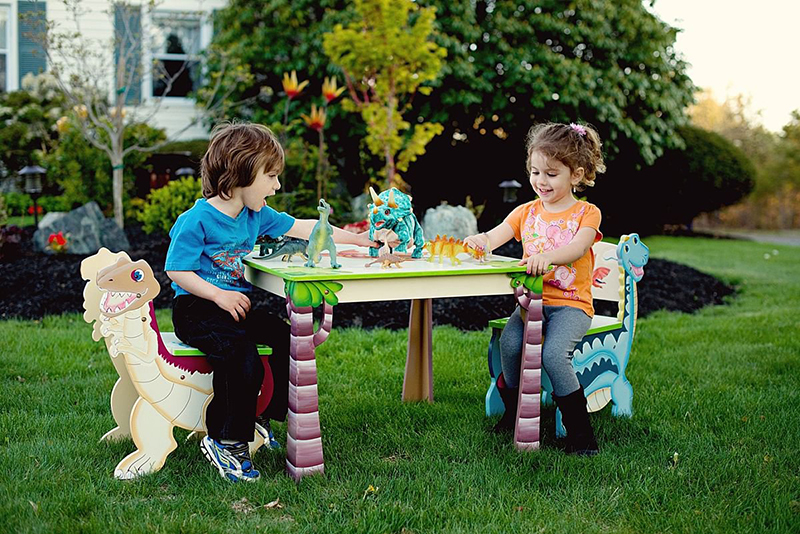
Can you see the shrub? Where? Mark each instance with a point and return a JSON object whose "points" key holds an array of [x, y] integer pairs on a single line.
{"points": [[197, 148], [10, 240], [708, 174], [17, 203], [3, 212], [164, 205], [55, 203]]}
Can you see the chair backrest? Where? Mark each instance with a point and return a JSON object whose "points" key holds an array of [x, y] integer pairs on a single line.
{"points": [[606, 272]]}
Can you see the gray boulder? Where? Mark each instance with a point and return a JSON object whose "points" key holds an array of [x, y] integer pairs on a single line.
{"points": [[452, 221], [85, 228]]}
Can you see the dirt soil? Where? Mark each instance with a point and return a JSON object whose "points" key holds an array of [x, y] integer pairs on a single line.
{"points": [[35, 284]]}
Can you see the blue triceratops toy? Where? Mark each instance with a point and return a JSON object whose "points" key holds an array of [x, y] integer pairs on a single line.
{"points": [[391, 210]]}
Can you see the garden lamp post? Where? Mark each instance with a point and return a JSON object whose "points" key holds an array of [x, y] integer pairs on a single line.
{"points": [[509, 188], [33, 186], [184, 171]]}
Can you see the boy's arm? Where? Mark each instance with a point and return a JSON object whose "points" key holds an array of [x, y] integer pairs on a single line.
{"points": [[302, 229], [234, 302]]}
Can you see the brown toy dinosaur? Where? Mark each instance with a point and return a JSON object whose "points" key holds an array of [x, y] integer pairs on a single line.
{"points": [[387, 259]]}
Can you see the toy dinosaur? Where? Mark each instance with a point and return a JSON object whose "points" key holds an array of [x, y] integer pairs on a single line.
{"points": [[445, 247], [286, 247], [387, 259], [321, 238], [156, 391], [600, 360], [391, 210]]}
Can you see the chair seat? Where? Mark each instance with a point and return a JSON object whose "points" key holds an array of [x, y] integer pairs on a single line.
{"points": [[600, 323], [179, 348]]}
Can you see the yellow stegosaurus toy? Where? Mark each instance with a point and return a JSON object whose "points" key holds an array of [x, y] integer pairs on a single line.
{"points": [[450, 247]]}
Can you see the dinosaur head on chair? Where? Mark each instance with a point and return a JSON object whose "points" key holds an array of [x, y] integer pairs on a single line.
{"points": [[128, 285]]}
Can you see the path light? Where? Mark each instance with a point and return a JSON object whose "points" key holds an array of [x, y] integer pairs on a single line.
{"points": [[509, 188], [33, 186], [185, 171]]}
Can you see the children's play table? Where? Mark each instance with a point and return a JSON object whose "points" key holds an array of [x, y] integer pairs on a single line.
{"points": [[419, 281]]}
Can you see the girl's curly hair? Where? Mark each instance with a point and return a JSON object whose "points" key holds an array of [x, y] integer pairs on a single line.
{"points": [[574, 145]]}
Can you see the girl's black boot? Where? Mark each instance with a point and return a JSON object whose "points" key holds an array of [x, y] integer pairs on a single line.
{"points": [[580, 435], [510, 397]]}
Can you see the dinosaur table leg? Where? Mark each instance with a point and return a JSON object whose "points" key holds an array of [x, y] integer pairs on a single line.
{"points": [[526, 430], [418, 380], [304, 440]]}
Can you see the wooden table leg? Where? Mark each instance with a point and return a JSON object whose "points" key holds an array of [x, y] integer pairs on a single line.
{"points": [[304, 437], [526, 429], [418, 380]]}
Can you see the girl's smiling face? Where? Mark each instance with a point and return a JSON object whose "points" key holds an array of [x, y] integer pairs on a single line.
{"points": [[552, 181]]}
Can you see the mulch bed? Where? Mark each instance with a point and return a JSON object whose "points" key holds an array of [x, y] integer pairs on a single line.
{"points": [[35, 284]]}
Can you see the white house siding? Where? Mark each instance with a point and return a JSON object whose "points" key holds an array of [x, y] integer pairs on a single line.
{"points": [[97, 25]]}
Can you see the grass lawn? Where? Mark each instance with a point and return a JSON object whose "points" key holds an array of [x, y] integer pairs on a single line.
{"points": [[22, 220], [714, 445]]}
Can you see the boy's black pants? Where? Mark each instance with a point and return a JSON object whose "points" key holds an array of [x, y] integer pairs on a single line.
{"points": [[230, 348]]}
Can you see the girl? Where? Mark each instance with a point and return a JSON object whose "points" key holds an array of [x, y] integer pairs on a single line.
{"points": [[557, 232]]}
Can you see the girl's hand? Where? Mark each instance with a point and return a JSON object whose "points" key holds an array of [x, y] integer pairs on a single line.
{"points": [[478, 241], [537, 264], [233, 302]]}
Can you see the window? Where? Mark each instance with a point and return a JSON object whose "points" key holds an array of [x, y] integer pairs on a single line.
{"points": [[176, 45], [5, 39]]}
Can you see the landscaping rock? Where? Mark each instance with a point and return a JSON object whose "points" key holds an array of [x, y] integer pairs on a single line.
{"points": [[453, 221], [85, 228]]}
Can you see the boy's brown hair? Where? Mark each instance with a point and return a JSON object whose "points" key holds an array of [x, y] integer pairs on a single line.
{"points": [[574, 145], [236, 152]]}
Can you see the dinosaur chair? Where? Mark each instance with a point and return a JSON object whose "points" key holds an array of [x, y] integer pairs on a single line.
{"points": [[601, 357], [157, 388]]}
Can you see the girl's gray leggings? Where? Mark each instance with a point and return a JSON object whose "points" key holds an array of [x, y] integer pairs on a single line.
{"points": [[564, 327]]}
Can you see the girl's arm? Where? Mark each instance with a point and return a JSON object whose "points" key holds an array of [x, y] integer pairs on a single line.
{"points": [[580, 245], [233, 302], [302, 229], [497, 236]]}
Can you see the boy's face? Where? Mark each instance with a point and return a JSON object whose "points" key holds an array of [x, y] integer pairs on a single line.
{"points": [[265, 185]]}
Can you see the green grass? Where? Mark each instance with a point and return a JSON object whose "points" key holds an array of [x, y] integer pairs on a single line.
{"points": [[22, 220], [719, 388]]}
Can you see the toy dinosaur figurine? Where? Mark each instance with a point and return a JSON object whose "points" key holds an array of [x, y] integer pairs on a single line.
{"points": [[391, 210], [321, 238], [286, 247], [156, 390], [445, 247], [387, 259]]}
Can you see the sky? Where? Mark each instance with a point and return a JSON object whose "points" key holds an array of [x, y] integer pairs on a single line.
{"points": [[748, 47]]}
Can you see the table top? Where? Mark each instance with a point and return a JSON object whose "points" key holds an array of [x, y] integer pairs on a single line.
{"points": [[354, 261], [413, 279]]}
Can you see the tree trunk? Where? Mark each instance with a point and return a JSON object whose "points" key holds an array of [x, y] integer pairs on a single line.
{"points": [[117, 190]]}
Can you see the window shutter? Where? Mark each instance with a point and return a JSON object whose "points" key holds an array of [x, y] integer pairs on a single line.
{"points": [[32, 19], [128, 43]]}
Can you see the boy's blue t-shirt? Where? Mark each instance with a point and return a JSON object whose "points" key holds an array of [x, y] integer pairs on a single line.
{"points": [[213, 245]]}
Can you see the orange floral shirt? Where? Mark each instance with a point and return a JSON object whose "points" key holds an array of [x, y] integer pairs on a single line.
{"points": [[541, 231]]}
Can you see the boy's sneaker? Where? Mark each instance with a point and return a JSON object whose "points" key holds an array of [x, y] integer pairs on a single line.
{"points": [[232, 461], [263, 428]]}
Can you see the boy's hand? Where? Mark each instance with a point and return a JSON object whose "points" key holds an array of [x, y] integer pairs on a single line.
{"points": [[363, 240], [537, 264], [233, 302], [387, 237]]}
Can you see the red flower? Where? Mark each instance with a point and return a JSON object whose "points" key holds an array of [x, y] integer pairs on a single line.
{"points": [[38, 210]]}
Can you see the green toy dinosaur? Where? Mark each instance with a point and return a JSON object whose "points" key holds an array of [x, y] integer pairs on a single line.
{"points": [[321, 238]]}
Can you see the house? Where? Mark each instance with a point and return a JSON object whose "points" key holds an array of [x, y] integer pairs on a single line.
{"points": [[175, 33]]}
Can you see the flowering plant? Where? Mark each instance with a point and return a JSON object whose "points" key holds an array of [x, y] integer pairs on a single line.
{"points": [[57, 243], [38, 210]]}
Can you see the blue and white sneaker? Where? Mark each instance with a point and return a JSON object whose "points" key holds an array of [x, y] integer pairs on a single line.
{"points": [[232, 461], [263, 427]]}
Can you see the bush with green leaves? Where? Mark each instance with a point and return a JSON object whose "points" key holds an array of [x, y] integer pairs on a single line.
{"points": [[83, 172], [196, 147], [17, 203], [54, 203], [165, 204], [709, 173]]}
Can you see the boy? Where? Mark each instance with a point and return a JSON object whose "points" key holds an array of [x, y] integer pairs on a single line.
{"points": [[211, 309]]}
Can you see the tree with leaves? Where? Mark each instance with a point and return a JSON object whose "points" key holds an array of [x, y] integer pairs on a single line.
{"points": [[386, 55], [79, 64]]}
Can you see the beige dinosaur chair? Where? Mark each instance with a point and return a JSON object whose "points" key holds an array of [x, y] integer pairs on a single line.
{"points": [[156, 390]]}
